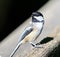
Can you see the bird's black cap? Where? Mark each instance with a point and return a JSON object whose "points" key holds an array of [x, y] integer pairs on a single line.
{"points": [[37, 14]]}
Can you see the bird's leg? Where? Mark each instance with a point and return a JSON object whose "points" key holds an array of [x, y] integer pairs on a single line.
{"points": [[35, 45]]}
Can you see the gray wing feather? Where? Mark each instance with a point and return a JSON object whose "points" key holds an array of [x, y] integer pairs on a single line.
{"points": [[25, 33]]}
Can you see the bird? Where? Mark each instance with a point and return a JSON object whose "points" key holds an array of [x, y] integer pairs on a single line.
{"points": [[31, 32]]}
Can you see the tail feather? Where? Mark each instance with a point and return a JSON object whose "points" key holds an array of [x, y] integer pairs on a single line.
{"points": [[16, 48]]}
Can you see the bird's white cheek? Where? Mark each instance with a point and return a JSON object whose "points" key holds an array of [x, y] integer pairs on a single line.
{"points": [[39, 18]]}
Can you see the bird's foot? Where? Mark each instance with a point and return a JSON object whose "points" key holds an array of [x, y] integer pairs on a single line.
{"points": [[36, 46]]}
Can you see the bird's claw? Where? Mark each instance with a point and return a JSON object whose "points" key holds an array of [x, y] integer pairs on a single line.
{"points": [[36, 46]]}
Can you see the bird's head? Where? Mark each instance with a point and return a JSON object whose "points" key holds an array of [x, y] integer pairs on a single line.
{"points": [[37, 17]]}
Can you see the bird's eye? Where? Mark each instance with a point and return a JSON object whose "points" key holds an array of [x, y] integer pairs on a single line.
{"points": [[35, 20]]}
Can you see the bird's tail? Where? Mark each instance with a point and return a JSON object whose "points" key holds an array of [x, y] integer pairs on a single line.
{"points": [[16, 48]]}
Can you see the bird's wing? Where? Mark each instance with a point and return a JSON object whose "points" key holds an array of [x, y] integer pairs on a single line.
{"points": [[25, 33]]}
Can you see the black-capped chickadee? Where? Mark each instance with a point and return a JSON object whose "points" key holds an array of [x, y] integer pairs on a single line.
{"points": [[31, 32]]}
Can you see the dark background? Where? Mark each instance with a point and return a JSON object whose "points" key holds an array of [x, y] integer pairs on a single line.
{"points": [[15, 12]]}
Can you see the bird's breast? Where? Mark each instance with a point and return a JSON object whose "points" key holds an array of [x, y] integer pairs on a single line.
{"points": [[31, 36], [38, 25]]}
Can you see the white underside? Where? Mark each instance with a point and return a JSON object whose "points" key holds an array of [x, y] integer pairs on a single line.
{"points": [[38, 25]]}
